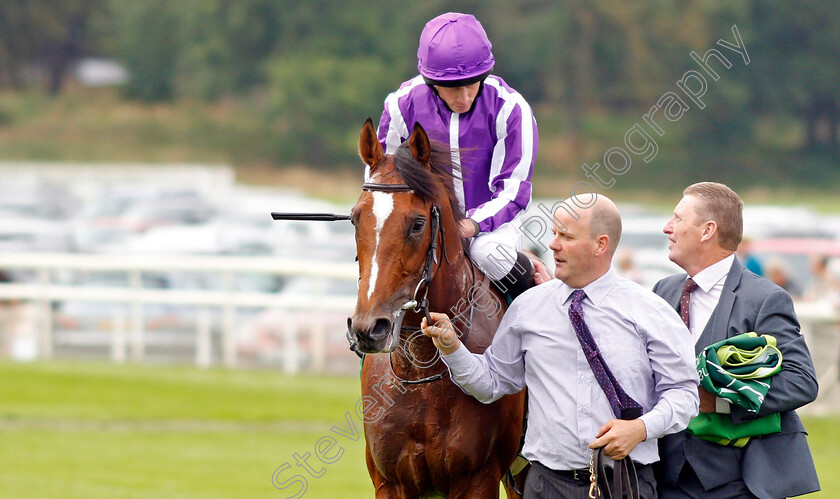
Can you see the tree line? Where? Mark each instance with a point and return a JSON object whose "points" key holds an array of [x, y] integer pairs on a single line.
{"points": [[315, 69]]}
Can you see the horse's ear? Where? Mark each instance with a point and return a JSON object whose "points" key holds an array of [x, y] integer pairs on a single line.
{"points": [[369, 147], [418, 142]]}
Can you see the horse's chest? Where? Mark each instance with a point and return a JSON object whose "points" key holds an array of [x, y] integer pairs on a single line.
{"points": [[410, 435], [406, 426]]}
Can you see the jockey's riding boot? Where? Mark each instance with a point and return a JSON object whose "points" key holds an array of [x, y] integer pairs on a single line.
{"points": [[520, 278]]}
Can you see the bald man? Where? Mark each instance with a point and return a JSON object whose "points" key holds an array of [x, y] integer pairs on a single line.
{"points": [[640, 337]]}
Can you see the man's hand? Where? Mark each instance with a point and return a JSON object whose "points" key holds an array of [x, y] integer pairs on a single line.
{"points": [[541, 274], [618, 437], [707, 400], [466, 228], [442, 333]]}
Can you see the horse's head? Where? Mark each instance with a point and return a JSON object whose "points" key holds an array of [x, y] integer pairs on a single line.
{"points": [[399, 220]]}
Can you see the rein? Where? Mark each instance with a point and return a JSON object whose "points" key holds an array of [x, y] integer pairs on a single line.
{"points": [[418, 303], [625, 482]]}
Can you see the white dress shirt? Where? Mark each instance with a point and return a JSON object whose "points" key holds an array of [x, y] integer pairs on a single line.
{"points": [[702, 303], [641, 338], [705, 298]]}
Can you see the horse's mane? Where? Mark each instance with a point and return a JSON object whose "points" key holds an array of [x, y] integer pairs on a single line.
{"points": [[425, 183]]}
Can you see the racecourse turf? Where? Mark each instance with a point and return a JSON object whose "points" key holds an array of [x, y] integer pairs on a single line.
{"points": [[92, 430]]}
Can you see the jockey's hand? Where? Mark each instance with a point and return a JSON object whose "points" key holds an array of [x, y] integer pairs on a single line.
{"points": [[541, 274], [466, 228], [618, 437], [442, 333]]}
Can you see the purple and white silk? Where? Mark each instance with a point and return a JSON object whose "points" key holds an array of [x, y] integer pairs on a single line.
{"points": [[495, 142]]}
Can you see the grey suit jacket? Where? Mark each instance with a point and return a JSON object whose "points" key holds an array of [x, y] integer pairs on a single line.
{"points": [[778, 465]]}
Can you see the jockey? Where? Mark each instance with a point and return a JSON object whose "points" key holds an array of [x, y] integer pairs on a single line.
{"points": [[491, 132]]}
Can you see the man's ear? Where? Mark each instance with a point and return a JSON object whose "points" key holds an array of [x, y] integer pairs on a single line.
{"points": [[709, 230], [602, 242]]}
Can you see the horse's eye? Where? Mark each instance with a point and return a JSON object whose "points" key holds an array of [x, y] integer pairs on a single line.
{"points": [[419, 225]]}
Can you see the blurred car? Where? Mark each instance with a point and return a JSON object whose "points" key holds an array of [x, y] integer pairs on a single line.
{"points": [[252, 231], [332, 241], [762, 222], [204, 239], [33, 216], [110, 219], [25, 233], [795, 253], [42, 200], [236, 233]]}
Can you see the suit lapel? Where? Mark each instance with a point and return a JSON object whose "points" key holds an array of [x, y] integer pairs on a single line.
{"points": [[718, 325], [673, 296]]}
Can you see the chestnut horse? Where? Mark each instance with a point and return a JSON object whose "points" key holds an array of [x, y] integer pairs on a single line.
{"points": [[424, 436]]}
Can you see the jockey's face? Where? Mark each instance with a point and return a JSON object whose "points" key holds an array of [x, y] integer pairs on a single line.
{"points": [[459, 99]]}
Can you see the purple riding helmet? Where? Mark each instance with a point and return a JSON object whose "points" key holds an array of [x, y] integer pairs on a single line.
{"points": [[454, 51]]}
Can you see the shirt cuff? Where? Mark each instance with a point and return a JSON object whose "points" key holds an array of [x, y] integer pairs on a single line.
{"points": [[459, 360], [651, 432]]}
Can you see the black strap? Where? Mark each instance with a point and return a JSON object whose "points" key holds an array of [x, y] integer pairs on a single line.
{"points": [[625, 481], [324, 217], [377, 187]]}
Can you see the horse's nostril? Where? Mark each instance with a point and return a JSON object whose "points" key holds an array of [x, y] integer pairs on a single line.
{"points": [[380, 329]]}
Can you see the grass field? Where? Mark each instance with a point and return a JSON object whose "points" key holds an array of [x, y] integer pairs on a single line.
{"points": [[71, 430], [87, 430]]}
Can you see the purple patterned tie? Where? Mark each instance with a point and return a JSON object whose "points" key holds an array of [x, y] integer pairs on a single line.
{"points": [[685, 301], [623, 406]]}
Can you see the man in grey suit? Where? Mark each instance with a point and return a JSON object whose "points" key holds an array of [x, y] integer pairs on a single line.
{"points": [[718, 299]]}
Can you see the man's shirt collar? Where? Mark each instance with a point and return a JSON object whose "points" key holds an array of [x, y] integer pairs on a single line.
{"points": [[596, 290], [712, 274]]}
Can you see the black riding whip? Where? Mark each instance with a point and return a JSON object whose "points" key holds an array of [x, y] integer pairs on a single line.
{"points": [[326, 217]]}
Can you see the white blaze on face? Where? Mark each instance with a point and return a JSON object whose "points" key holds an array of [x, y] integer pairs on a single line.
{"points": [[383, 205]]}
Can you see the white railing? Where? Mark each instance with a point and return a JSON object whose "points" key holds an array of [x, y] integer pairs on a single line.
{"points": [[128, 338]]}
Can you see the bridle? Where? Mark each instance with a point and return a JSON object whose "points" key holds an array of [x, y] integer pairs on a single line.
{"points": [[419, 302]]}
